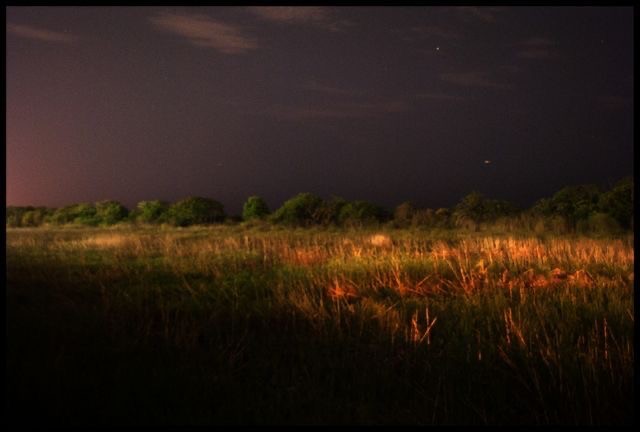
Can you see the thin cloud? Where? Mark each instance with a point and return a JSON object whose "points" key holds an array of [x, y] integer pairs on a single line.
{"points": [[536, 54], [509, 68], [338, 111], [316, 86], [536, 48], [309, 15], [484, 14], [435, 31], [204, 31], [439, 96], [537, 42], [615, 103], [41, 34], [473, 79]]}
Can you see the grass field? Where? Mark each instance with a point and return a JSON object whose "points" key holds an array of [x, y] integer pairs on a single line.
{"points": [[230, 325]]}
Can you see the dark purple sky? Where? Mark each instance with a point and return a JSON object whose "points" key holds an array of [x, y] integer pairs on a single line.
{"points": [[379, 103]]}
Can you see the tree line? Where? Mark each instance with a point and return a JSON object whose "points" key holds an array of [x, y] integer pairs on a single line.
{"points": [[581, 209]]}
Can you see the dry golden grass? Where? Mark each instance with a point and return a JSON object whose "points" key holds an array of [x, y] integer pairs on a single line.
{"points": [[381, 240], [471, 263], [557, 313]]}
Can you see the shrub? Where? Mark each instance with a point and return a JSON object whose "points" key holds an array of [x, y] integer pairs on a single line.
{"points": [[329, 211], [151, 211], [35, 217], [559, 225], [302, 210], [403, 214], [196, 210], [358, 213], [573, 203], [255, 208], [110, 212], [423, 218], [443, 217], [618, 202], [474, 209], [83, 214], [15, 215], [497, 209], [470, 210], [603, 223]]}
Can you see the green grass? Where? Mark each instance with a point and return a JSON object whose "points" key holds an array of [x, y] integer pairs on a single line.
{"points": [[230, 325]]}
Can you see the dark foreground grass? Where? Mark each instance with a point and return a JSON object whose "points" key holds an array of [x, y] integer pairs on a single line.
{"points": [[225, 326]]}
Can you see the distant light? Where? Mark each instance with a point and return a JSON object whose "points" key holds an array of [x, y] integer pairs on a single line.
{"points": [[487, 162], [437, 48]]}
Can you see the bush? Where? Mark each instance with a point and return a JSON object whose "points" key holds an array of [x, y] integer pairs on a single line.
{"points": [[443, 217], [423, 218], [403, 214], [303, 209], [474, 209], [195, 211], [151, 212], [470, 210], [573, 204], [467, 223], [35, 217], [110, 212], [603, 223], [618, 202], [358, 213], [255, 208], [15, 215], [329, 211], [540, 227], [559, 225], [83, 214]]}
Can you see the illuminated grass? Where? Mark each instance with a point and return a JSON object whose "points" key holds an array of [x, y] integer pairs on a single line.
{"points": [[233, 325]]}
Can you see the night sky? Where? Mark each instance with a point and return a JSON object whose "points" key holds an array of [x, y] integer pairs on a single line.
{"points": [[385, 104]]}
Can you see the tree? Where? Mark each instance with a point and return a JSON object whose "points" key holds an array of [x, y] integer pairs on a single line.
{"points": [[196, 210], [302, 210], [470, 211], [603, 223], [62, 215], [618, 202], [35, 217], [423, 218], [498, 210], [474, 209], [443, 217], [572, 204], [403, 214], [84, 214], [329, 211], [358, 213], [110, 212], [151, 211], [15, 215], [542, 207], [255, 208]]}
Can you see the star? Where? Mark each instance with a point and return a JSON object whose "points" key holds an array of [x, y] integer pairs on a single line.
{"points": [[487, 162], [437, 48]]}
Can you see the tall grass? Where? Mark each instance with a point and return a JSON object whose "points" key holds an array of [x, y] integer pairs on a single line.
{"points": [[233, 325]]}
